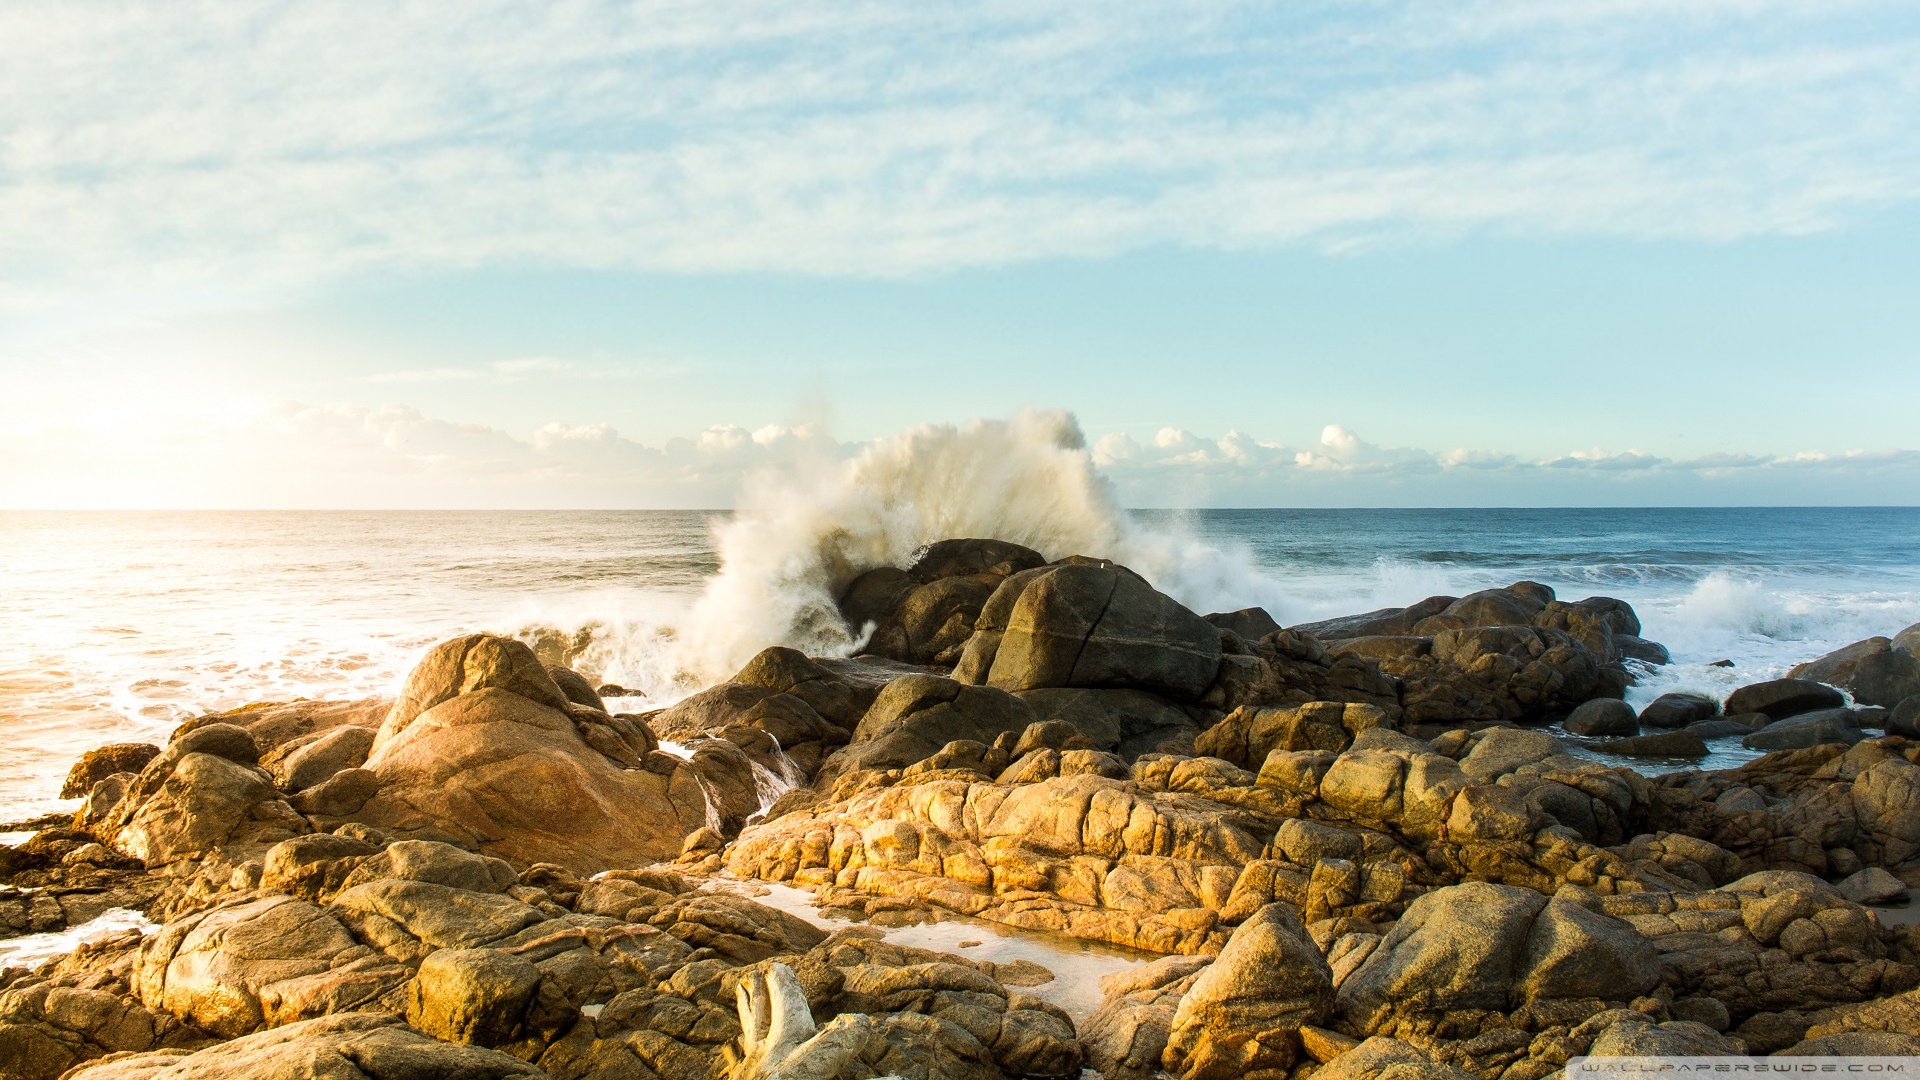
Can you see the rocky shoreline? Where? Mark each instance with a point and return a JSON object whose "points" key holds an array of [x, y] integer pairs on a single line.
{"points": [[1402, 843]]}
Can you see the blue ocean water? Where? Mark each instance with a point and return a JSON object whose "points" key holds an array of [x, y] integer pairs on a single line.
{"points": [[116, 626], [1759, 584]]}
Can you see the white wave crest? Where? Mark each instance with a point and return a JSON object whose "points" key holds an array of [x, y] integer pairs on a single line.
{"points": [[803, 533], [1734, 605]]}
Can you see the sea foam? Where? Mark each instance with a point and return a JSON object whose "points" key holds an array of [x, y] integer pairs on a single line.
{"points": [[803, 534]]}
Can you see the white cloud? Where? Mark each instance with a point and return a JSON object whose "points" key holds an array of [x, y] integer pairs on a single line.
{"points": [[1599, 459], [526, 369], [233, 144], [288, 454]]}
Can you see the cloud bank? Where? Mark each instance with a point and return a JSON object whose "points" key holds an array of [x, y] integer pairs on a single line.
{"points": [[292, 455], [207, 146]]}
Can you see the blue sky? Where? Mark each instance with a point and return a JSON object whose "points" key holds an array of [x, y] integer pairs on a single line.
{"points": [[1597, 251]]}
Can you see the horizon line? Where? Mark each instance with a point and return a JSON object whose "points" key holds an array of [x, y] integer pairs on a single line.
{"points": [[731, 510]]}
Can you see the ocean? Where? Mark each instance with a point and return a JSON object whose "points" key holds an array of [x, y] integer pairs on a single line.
{"points": [[116, 626]]}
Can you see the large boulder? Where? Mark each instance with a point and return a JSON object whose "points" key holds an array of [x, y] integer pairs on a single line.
{"points": [[1886, 802], [832, 695], [1251, 624], [1574, 952], [279, 728], [1676, 744], [319, 758], [1453, 958], [471, 995], [1515, 674], [746, 714], [1515, 605], [1781, 698], [931, 624], [203, 793], [1677, 710], [1499, 751], [96, 765], [575, 687], [1908, 640], [786, 710], [1461, 958], [1873, 671], [1289, 667], [348, 1046], [261, 961], [975, 1018], [1514, 654], [925, 613], [1126, 1037], [1384, 1058], [1905, 718], [408, 920], [1395, 784], [1604, 717], [49, 1027], [1807, 729], [916, 715], [1098, 625], [468, 665], [495, 759], [319, 867], [1674, 1038], [1133, 862], [1241, 1020]]}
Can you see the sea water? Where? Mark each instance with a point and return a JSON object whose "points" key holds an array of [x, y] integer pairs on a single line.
{"points": [[117, 626]]}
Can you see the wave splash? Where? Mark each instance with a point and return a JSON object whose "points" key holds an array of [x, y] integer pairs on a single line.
{"points": [[804, 533]]}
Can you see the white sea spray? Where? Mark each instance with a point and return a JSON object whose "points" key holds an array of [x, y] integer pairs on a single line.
{"points": [[802, 534]]}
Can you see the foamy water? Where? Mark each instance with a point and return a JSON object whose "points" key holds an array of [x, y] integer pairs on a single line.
{"points": [[117, 626], [31, 950]]}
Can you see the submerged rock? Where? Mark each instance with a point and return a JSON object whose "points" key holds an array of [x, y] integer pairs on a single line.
{"points": [[1603, 717], [1781, 698], [1677, 710], [1681, 744]]}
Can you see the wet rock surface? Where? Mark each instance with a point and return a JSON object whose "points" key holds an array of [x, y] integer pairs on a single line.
{"points": [[1348, 849]]}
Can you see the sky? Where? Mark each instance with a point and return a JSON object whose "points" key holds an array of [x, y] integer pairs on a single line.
{"points": [[1372, 253]]}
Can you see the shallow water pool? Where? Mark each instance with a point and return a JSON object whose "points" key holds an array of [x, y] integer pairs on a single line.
{"points": [[1077, 966], [32, 950]]}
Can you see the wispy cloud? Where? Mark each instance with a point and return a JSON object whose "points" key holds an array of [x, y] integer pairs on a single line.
{"points": [[219, 144], [526, 369]]}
